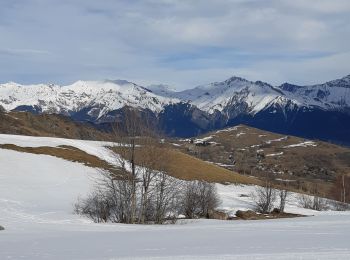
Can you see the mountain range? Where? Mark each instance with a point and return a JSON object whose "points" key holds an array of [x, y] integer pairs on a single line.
{"points": [[319, 111]]}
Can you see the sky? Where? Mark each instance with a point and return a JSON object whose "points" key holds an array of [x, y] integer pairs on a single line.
{"points": [[181, 43]]}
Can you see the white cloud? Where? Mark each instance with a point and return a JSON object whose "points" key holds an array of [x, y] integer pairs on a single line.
{"points": [[183, 42]]}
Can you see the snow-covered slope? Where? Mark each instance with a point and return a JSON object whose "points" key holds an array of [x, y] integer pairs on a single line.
{"points": [[163, 90], [330, 95], [37, 193], [99, 97]]}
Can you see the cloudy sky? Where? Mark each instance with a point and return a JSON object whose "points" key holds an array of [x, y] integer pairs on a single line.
{"points": [[180, 43]]}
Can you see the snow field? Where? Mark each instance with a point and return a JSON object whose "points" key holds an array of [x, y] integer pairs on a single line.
{"points": [[37, 193]]}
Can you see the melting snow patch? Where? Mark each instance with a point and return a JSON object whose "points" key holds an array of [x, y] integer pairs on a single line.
{"points": [[224, 165], [204, 139], [240, 133], [255, 145], [228, 129], [274, 154], [277, 140], [285, 180], [303, 144]]}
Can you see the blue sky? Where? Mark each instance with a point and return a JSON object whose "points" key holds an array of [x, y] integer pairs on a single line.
{"points": [[179, 43]]}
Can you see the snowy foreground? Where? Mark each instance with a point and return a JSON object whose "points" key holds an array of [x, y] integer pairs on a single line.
{"points": [[37, 193]]}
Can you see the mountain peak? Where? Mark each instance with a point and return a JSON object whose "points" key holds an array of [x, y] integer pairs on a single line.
{"points": [[235, 79], [118, 81], [347, 78], [342, 82]]}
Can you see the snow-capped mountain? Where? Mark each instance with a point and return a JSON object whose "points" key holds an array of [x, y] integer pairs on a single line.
{"points": [[257, 96], [97, 97], [317, 111], [218, 95], [330, 95], [102, 97]]}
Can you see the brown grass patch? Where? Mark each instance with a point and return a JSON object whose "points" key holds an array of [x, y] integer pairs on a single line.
{"points": [[68, 153], [186, 167]]}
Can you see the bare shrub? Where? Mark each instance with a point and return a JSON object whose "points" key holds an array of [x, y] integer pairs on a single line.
{"points": [[112, 200], [312, 202], [305, 201], [200, 199], [96, 206], [319, 203], [339, 206], [264, 198]]}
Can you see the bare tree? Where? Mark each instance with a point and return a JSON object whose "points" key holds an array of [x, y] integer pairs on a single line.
{"points": [[208, 198], [138, 190], [283, 198], [167, 197], [319, 203], [129, 132], [264, 197], [341, 189], [242, 156], [190, 200]]}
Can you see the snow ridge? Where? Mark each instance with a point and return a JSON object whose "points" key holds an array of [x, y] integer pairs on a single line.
{"points": [[105, 95], [101, 97]]}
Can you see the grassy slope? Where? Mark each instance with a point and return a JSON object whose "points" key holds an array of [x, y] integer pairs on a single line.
{"points": [[68, 153], [186, 167]]}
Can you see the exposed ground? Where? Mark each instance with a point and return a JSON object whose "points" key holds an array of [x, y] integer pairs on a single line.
{"points": [[305, 165]]}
